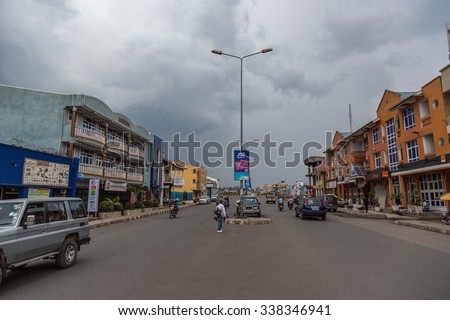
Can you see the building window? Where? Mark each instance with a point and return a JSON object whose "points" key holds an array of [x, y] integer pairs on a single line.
{"points": [[413, 151], [428, 144], [392, 145], [86, 157], [345, 151], [408, 115], [88, 124], [377, 160], [424, 109], [376, 136]]}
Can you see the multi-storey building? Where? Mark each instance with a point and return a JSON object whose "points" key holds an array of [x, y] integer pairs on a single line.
{"points": [[109, 146], [405, 150], [193, 184]]}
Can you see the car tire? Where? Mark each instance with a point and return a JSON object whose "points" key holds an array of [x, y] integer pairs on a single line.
{"points": [[302, 217], [334, 210], [67, 254], [324, 218]]}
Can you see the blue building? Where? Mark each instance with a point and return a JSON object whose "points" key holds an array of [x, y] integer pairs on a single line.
{"points": [[28, 173], [109, 146]]}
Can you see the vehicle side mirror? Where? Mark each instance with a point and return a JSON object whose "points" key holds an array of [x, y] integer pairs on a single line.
{"points": [[30, 221]]}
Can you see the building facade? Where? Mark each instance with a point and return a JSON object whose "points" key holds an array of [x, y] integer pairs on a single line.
{"points": [[109, 146], [402, 155]]}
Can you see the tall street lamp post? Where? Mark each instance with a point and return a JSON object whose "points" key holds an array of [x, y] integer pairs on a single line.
{"points": [[242, 104]]}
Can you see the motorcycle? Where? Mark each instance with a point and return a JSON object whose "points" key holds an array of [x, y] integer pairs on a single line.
{"points": [[173, 211], [290, 205], [280, 206]]}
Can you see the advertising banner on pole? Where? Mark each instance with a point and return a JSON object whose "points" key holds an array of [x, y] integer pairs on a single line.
{"points": [[248, 184], [241, 165], [94, 190]]}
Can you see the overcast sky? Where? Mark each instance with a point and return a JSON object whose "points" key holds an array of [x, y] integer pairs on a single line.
{"points": [[151, 60]]}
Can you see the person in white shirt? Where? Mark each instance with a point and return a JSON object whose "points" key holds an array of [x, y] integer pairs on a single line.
{"points": [[220, 217]]}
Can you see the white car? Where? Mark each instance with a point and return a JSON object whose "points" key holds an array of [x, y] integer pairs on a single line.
{"points": [[204, 200]]}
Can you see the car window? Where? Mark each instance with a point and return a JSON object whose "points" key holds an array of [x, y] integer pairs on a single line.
{"points": [[9, 212], [56, 211], [77, 209], [37, 210], [250, 202], [313, 202]]}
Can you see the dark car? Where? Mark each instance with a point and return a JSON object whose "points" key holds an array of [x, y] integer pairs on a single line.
{"points": [[330, 201], [271, 198], [250, 206], [311, 207]]}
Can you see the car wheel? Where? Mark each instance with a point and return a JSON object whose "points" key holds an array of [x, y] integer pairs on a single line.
{"points": [[334, 210], [324, 218], [67, 254], [302, 216]]}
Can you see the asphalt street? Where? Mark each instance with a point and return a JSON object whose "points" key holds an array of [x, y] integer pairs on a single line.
{"points": [[185, 258]]}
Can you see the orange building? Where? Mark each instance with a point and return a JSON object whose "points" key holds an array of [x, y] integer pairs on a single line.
{"points": [[408, 149], [404, 151]]}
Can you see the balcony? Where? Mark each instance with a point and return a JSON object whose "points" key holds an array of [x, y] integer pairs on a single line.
{"points": [[426, 121], [358, 156], [136, 152], [90, 170], [135, 177], [89, 134], [115, 145], [115, 174]]}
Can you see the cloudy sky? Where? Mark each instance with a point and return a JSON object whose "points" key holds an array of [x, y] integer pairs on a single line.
{"points": [[151, 60]]}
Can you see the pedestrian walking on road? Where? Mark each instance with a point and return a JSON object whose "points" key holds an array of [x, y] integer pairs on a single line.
{"points": [[221, 215]]}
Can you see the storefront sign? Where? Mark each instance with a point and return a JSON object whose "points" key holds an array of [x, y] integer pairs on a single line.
{"points": [[115, 186], [44, 173], [241, 165], [331, 185], [38, 193], [94, 190], [178, 182]]}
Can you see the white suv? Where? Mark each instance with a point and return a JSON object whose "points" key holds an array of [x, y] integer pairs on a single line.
{"points": [[35, 229]]}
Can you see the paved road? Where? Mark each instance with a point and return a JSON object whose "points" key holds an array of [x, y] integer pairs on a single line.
{"points": [[185, 258]]}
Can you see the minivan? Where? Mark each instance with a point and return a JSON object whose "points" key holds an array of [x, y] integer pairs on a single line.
{"points": [[32, 229], [330, 201]]}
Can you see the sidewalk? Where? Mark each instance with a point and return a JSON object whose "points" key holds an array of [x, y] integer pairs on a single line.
{"points": [[434, 225], [97, 223]]}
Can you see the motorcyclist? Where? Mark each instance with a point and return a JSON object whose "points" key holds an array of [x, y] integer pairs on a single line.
{"points": [[280, 200], [290, 203]]}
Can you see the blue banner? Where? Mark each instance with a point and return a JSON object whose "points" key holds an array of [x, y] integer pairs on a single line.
{"points": [[241, 165]]}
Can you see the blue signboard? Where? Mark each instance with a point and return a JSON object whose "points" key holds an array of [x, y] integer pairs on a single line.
{"points": [[248, 184], [241, 165]]}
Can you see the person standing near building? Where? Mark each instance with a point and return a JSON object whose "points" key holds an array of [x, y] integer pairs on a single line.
{"points": [[221, 215]]}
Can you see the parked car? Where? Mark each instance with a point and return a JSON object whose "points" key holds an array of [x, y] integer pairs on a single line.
{"points": [[204, 200], [271, 198], [330, 201], [311, 207], [214, 198], [250, 206], [41, 228], [342, 203]]}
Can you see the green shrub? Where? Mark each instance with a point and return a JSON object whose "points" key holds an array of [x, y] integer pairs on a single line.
{"points": [[129, 206], [147, 203], [155, 204], [138, 204], [118, 206], [106, 206]]}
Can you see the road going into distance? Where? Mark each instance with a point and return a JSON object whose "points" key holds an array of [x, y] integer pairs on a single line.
{"points": [[185, 258]]}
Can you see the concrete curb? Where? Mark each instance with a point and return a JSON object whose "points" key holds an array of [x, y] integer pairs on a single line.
{"points": [[424, 226], [248, 221], [105, 222]]}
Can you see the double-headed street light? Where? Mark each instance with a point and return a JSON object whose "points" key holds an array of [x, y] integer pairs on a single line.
{"points": [[242, 104]]}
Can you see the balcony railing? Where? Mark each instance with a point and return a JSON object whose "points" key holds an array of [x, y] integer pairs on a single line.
{"points": [[426, 121], [115, 174], [90, 170], [89, 134], [138, 177], [136, 152], [117, 145]]}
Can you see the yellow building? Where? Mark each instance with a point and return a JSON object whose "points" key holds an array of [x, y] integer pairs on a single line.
{"points": [[193, 183]]}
